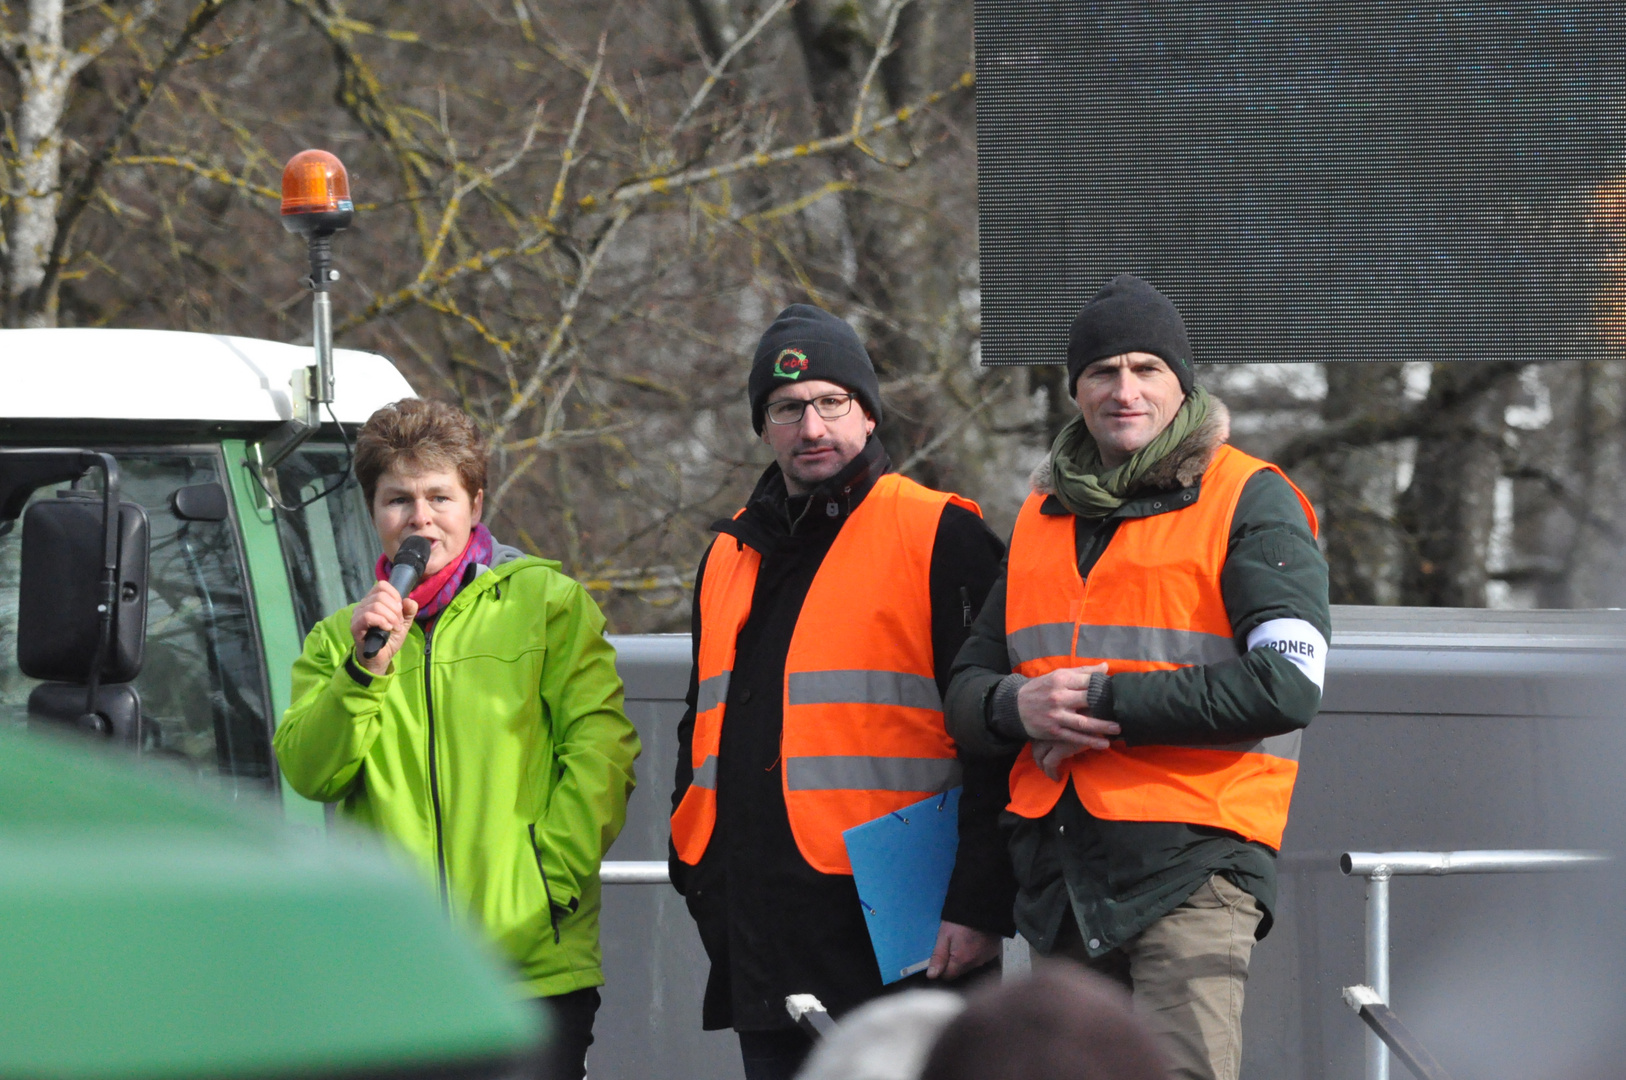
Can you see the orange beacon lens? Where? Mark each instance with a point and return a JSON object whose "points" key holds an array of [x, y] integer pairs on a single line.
{"points": [[314, 182]]}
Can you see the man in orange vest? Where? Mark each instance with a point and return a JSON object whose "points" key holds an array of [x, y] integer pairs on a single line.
{"points": [[826, 616], [1155, 649]]}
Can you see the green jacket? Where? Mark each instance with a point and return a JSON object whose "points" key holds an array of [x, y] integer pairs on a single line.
{"points": [[527, 784]]}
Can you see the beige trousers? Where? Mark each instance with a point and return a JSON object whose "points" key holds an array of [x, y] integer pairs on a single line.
{"points": [[1187, 973]]}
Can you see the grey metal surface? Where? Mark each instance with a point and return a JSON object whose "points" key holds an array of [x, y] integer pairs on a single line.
{"points": [[634, 872], [654, 967], [1440, 729], [1379, 867], [1377, 964], [1437, 863]]}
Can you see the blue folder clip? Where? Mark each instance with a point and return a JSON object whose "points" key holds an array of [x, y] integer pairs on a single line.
{"points": [[902, 863]]}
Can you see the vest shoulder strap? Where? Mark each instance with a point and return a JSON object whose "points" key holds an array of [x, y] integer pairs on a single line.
{"points": [[1245, 465], [897, 485]]}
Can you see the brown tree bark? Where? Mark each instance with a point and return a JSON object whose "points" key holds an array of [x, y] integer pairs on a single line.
{"points": [[862, 266], [1447, 512], [1359, 487]]}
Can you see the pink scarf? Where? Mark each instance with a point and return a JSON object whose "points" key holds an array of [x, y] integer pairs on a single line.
{"points": [[433, 593]]}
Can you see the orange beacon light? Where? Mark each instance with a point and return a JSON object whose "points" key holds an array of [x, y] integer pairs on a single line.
{"points": [[315, 204], [315, 194]]}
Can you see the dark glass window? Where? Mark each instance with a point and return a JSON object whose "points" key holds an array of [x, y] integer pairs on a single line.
{"points": [[330, 545], [202, 687]]}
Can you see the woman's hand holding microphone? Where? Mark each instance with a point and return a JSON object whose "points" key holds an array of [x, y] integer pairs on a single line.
{"points": [[380, 622]]}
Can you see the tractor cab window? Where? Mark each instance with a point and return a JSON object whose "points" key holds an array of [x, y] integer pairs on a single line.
{"points": [[330, 546], [202, 689]]}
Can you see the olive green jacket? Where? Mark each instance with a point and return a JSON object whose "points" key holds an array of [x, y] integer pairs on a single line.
{"points": [[526, 786]]}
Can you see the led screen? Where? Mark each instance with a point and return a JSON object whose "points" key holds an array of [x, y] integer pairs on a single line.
{"points": [[1308, 182]]}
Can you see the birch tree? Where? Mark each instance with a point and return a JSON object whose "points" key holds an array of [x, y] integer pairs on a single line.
{"points": [[43, 203]]}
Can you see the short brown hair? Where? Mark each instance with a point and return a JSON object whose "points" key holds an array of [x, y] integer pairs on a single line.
{"points": [[1060, 1023], [415, 435]]}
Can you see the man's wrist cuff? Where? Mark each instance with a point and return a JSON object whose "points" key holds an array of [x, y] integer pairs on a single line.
{"points": [[1004, 719], [1098, 698]]}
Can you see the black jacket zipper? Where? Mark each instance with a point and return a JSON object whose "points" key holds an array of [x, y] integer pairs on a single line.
{"points": [[434, 776]]}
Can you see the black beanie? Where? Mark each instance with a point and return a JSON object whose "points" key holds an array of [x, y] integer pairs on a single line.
{"points": [[1126, 316], [807, 342]]}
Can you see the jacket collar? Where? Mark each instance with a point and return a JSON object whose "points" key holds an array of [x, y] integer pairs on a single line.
{"points": [[1172, 483], [772, 513]]}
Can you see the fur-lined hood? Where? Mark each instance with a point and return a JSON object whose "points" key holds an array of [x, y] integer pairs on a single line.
{"points": [[1180, 468]]}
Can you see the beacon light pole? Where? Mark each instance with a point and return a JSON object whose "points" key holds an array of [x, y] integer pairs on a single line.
{"points": [[316, 205]]}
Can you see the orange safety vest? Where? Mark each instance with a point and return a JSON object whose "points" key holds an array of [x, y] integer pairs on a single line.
{"points": [[1152, 602], [863, 722]]}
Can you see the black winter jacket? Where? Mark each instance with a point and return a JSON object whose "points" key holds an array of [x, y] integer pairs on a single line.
{"points": [[771, 924]]}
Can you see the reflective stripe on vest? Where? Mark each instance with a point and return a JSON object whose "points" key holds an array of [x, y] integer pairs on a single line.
{"points": [[725, 601], [1182, 648], [863, 727], [864, 687], [713, 692], [871, 774], [1152, 603]]}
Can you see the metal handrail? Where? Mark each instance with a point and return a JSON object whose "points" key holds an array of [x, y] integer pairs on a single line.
{"points": [[1379, 866], [634, 872], [1436, 863]]}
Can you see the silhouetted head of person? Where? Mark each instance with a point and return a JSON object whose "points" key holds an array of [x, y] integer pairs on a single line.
{"points": [[1060, 1023]]}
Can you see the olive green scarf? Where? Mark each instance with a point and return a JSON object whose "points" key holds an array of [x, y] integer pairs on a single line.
{"points": [[1083, 483]]}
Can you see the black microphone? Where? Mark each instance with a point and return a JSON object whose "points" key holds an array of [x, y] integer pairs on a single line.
{"points": [[410, 561]]}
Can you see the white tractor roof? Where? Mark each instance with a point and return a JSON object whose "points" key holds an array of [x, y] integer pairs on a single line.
{"points": [[83, 374]]}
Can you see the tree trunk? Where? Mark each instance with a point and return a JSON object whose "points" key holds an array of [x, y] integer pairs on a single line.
{"points": [[1448, 510], [1359, 489], [45, 72], [836, 55]]}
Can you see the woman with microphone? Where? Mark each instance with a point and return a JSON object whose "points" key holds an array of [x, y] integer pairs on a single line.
{"points": [[485, 735]]}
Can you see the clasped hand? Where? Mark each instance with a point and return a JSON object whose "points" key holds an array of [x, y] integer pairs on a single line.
{"points": [[1055, 713]]}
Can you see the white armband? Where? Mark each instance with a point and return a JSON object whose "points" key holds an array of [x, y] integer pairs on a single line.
{"points": [[1298, 641]]}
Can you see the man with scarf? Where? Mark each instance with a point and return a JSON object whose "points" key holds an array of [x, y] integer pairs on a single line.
{"points": [[486, 737], [1155, 649], [826, 616]]}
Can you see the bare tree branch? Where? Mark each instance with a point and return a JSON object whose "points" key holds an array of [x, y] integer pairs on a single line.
{"points": [[1573, 502], [677, 181], [362, 95], [83, 189], [91, 51], [208, 172], [716, 29], [952, 431], [716, 70], [568, 156], [567, 315], [1423, 419], [479, 180], [883, 49]]}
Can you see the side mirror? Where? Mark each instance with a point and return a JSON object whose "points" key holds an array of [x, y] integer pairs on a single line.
{"points": [[82, 600], [117, 714], [59, 616]]}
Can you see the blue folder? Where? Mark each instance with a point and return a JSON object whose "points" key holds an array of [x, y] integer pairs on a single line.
{"points": [[902, 862]]}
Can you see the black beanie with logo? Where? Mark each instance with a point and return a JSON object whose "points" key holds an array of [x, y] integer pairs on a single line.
{"points": [[805, 343], [1126, 316]]}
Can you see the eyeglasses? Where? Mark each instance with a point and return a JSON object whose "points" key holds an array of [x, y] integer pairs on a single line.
{"points": [[791, 410]]}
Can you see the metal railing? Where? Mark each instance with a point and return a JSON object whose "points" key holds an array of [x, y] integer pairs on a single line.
{"points": [[1378, 867], [631, 872], [1016, 955]]}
